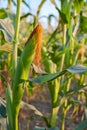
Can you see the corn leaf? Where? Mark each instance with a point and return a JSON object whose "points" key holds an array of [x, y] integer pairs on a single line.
{"points": [[46, 78], [31, 107], [77, 69], [49, 77]]}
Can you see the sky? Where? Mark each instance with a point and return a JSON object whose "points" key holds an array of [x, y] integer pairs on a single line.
{"points": [[47, 9]]}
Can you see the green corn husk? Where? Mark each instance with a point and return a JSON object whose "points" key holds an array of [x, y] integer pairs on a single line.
{"points": [[22, 71]]}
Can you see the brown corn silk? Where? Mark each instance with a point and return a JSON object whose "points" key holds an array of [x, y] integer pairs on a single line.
{"points": [[37, 33]]}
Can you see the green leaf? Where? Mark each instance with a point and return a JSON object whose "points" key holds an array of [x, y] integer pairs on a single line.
{"points": [[46, 78], [39, 128], [66, 8], [3, 14], [7, 30], [82, 126], [77, 69], [62, 15]]}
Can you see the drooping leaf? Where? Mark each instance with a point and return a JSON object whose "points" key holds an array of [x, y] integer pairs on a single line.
{"points": [[7, 30], [26, 15], [77, 69], [3, 13], [48, 77], [31, 107], [82, 126], [37, 112]]}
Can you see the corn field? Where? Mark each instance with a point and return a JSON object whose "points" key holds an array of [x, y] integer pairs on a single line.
{"points": [[43, 82]]}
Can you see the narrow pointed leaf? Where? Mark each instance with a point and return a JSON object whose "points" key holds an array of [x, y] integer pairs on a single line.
{"points": [[46, 78], [77, 69]]}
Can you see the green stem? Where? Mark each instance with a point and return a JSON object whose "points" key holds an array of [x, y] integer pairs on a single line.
{"points": [[64, 42], [65, 110], [53, 118], [15, 47], [54, 91], [15, 43]]}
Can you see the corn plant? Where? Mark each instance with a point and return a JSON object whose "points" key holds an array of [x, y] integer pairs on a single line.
{"points": [[64, 49], [20, 69]]}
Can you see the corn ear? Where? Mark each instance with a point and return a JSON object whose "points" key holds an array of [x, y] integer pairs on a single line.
{"points": [[22, 71]]}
